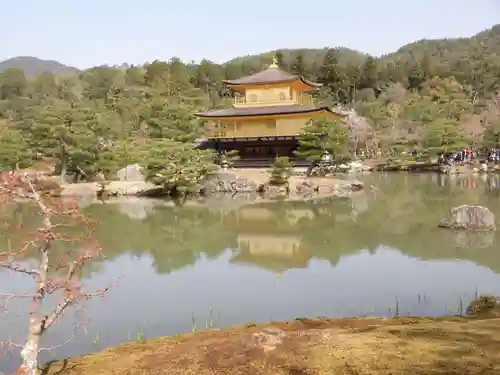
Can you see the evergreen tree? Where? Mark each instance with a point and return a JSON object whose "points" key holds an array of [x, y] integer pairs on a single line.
{"points": [[280, 60], [369, 74], [173, 122], [324, 135], [444, 135], [298, 65], [332, 77], [416, 77], [178, 167], [14, 150], [281, 171]]}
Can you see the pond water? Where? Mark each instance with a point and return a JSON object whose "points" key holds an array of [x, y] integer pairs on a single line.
{"points": [[189, 267]]}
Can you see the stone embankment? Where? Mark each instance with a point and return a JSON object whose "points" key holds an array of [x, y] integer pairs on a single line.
{"points": [[223, 183], [255, 181]]}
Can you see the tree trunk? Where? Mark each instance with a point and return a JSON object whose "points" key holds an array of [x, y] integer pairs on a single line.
{"points": [[64, 164], [29, 354]]}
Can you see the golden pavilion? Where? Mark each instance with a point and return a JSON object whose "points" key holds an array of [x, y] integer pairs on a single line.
{"points": [[270, 110]]}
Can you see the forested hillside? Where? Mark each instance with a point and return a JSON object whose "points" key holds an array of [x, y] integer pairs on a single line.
{"points": [[32, 66], [431, 94]]}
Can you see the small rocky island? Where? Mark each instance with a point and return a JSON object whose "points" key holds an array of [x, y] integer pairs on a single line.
{"points": [[467, 217]]}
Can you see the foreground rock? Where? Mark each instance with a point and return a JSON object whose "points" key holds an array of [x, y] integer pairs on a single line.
{"points": [[362, 346], [470, 217]]}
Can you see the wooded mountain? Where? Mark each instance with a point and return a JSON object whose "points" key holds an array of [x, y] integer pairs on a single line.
{"points": [[448, 49], [485, 42], [311, 56], [445, 50], [33, 66]]}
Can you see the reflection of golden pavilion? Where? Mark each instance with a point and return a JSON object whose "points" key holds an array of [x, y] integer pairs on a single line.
{"points": [[269, 239], [262, 219], [281, 246]]}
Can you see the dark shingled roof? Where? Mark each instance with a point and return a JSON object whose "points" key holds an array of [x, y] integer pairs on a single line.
{"points": [[262, 111], [271, 75]]}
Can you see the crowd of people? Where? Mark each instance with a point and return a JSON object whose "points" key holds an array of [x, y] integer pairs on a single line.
{"points": [[470, 154]]}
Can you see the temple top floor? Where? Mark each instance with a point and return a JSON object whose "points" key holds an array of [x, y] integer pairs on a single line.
{"points": [[273, 76]]}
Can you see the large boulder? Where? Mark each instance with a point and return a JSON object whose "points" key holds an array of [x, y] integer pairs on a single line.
{"points": [[127, 188], [83, 189], [469, 217], [132, 172]]}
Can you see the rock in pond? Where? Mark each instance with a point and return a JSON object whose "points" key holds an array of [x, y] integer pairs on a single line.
{"points": [[469, 217], [132, 172]]}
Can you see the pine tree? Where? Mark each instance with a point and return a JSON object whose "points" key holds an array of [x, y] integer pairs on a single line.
{"points": [[332, 77], [281, 171], [280, 59], [416, 77], [369, 74], [14, 150], [444, 135], [298, 66], [178, 167], [173, 122], [67, 133], [324, 135]]}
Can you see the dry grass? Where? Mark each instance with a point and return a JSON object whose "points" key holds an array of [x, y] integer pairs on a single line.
{"points": [[358, 346]]}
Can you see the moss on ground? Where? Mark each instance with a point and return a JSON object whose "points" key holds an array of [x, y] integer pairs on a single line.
{"points": [[355, 346]]}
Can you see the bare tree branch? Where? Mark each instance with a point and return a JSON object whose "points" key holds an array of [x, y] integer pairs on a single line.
{"points": [[17, 186]]}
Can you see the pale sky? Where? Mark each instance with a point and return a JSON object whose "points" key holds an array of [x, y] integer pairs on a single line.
{"points": [[94, 32]]}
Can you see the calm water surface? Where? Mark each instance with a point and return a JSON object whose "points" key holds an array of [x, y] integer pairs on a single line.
{"points": [[195, 266]]}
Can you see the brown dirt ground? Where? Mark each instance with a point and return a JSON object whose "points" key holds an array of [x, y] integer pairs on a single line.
{"points": [[355, 346]]}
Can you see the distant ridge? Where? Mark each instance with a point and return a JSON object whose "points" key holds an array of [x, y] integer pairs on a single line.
{"points": [[33, 66], [447, 50]]}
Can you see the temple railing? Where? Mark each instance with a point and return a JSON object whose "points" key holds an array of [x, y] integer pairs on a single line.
{"points": [[303, 99]]}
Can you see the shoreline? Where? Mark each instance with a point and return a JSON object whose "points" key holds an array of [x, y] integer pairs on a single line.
{"points": [[254, 181], [362, 345], [233, 181]]}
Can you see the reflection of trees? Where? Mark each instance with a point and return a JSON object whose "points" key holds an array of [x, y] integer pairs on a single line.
{"points": [[173, 236], [401, 212]]}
